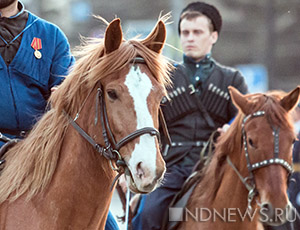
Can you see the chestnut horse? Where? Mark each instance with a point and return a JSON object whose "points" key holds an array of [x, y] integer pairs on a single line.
{"points": [[104, 116], [245, 183]]}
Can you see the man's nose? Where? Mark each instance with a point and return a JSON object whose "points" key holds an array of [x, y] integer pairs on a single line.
{"points": [[191, 36]]}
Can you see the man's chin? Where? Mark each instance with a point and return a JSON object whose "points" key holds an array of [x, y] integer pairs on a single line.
{"points": [[191, 54]]}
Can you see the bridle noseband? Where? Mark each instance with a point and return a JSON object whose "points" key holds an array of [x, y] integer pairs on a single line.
{"points": [[251, 186], [111, 149]]}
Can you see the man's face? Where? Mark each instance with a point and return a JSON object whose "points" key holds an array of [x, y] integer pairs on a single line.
{"points": [[196, 38], [6, 3]]}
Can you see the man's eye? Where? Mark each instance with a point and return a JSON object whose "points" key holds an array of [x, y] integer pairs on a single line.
{"points": [[185, 33]]}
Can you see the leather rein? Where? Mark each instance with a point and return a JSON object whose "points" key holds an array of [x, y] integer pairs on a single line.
{"points": [[249, 181], [111, 148]]}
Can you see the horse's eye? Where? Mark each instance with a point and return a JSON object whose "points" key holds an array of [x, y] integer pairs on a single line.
{"points": [[250, 142], [112, 94], [294, 141]]}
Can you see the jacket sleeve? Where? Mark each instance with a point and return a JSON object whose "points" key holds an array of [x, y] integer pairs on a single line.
{"points": [[239, 83], [61, 61]]}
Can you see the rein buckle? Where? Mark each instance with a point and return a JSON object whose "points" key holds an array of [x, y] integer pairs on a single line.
{"points": [[252, 193]]}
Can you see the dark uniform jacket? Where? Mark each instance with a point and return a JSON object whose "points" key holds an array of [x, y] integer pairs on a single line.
{"points": [[186, 121]]}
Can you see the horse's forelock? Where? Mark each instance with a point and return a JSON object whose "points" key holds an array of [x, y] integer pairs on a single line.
{"points": [[274, 112], [277, 115]]}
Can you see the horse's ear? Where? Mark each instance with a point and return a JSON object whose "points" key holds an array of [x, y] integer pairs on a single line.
{"points": [[156, 39], [113, 36], [239, 100], [291, 99]]}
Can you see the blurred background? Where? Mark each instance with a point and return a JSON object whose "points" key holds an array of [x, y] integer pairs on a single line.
{"points": [[259, 37]]}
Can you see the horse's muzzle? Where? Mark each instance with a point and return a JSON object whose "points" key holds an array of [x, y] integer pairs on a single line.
{"points": [[276, 216]]}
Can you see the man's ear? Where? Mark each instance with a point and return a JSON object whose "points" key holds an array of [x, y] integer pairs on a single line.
{"points": [[214, 37]]}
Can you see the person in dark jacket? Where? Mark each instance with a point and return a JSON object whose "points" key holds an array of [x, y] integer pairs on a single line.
{"points": [[199, 104]]}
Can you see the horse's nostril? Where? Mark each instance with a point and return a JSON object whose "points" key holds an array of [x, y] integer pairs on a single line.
{"points": [[139, 171], [266, 206], [267, 209]]}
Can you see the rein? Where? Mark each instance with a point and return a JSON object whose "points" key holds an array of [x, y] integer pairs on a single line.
{"points": [[251, 186], [111, 149]]}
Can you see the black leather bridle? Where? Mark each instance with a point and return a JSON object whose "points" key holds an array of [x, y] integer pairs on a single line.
{"points": [[111, 149], [249, 181]]}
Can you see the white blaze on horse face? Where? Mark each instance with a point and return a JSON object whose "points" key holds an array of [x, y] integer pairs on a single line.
{"points": [[139, 87]]}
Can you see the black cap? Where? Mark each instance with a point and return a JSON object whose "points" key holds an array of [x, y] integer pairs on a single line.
{"points": [[208, 10]]}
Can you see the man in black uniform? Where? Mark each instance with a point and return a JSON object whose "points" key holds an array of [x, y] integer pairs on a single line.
{"points": [[199, 104]]}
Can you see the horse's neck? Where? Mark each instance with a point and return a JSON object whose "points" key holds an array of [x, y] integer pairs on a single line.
{"points": [[83, 177], [80, 163], [231, 192], [231, 196], [79, 160], [229, 187]]}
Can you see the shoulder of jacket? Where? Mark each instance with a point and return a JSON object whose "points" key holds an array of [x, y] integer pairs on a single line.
{"points": [[226, 69], [44, 23], [176, 64]]}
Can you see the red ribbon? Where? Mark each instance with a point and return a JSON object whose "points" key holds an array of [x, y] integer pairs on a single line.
{"points": [[36, 43]]}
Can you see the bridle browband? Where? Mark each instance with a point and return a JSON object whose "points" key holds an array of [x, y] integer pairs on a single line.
{"points": [[251, 186], [111, 149]]}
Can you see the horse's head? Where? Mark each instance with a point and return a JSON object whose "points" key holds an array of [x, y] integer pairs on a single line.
{"points": [[268, 138], [132, 96]]}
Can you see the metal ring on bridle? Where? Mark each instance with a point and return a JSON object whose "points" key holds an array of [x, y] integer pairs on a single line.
{"points": [[117, 168]]}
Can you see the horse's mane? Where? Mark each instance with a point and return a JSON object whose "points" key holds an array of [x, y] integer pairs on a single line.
{"points": [[31, 164], [230, 142]]}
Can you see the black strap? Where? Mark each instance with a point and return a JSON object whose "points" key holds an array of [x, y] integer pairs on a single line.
{"points": [[137, 133], [164, 126], [96, 146], [198, 102], [276, 141], [106, 131], [203, 110], [18, 133]]}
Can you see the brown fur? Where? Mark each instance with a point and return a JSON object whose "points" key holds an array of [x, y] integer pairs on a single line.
{"points": [[30, 165]]}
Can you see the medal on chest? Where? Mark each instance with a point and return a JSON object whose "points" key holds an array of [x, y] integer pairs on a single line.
{"points": [[36, 44]]}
